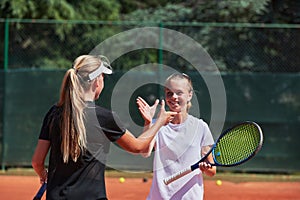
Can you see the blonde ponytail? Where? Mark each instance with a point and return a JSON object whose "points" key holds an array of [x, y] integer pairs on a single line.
{"points": [[73, 132], [76, 82]]}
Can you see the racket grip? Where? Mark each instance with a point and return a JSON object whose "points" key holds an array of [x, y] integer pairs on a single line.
{"points": [[41, 191], [178, 175]]}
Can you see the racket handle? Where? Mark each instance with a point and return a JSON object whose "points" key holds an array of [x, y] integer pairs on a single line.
{"points": [[177, 175], [41, 191]]}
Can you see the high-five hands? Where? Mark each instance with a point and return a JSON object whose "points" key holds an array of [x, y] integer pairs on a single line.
{"points": [[148, 112]]}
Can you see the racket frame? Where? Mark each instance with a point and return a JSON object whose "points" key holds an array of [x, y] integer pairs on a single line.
{"points": [[185, 171], [40, 192]]}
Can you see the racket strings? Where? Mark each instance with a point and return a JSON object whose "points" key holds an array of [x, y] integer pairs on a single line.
{"points": [[237, 145]]}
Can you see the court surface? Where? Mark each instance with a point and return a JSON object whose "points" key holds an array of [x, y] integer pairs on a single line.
{"points": [[16, 187]]}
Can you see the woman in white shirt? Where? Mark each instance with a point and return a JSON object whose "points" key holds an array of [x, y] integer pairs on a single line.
{"points": [[178, 144]]}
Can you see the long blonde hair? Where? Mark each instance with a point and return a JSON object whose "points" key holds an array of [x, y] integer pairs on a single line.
{"points": [[72, 103]]}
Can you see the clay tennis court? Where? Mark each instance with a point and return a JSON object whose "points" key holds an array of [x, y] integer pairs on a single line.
{"points": [[245, 187]]}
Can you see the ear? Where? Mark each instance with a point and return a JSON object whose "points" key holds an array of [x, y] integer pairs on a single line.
{"points": [[190, 96], [95, 84]]}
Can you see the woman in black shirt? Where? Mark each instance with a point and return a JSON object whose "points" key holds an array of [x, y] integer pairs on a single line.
{"points": [[78, 134]]}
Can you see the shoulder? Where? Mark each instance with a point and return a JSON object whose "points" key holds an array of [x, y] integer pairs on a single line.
{"points": [[197, 121], [100, 109], [199, 124], [108, 118], [91, 107], [104, 112], [53, 111]]}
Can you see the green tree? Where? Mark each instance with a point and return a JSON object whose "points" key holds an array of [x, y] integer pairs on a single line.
{"points": [[235, 47], [60, 9], [129, 6], [43, 47]]}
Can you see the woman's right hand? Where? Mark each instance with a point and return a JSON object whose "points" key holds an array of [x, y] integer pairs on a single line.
{"points": [[44, 176], [165, 116]]}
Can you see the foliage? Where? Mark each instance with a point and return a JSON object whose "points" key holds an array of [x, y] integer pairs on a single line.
{"points": [[129, 6], [230, 11], [233, 46], [170, 12], [55, 32], [60, 9]]}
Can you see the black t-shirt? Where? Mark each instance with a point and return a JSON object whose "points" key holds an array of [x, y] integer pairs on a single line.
{"points": [[83, 179]]}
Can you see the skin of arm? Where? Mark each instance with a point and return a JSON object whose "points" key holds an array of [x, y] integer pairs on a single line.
{"points": [[128, 142], [38, 159], [147, 113], [141, 144]]}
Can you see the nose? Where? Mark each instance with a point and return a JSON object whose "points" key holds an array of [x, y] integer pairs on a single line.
{"points": [[174, 95]]}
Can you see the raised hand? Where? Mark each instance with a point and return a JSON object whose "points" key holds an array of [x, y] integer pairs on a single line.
{"points": [[165, 116], [147, 111]]}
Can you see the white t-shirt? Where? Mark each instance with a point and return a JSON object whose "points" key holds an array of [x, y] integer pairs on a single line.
{"points": [[177, 147]]}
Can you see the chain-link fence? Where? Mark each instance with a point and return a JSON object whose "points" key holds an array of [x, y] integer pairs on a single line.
{"points": [[234, 47], [259, 65]]}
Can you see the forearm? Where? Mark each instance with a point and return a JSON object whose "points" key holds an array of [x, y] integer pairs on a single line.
{"points": [[39, 157], [142, 143], [41, 172], [147, 126], [150, 130]]}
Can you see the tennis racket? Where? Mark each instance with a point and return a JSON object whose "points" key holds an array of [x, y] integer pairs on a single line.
{"points": [[234, 147], [41, 191]]}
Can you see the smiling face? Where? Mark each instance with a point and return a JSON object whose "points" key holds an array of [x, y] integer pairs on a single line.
{"points": [[178, 94]]}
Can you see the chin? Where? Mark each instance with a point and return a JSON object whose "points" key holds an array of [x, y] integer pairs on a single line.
{"points": [[175, 108]]}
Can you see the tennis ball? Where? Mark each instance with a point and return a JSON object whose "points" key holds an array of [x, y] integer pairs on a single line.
{"points": [[145, 179], [122, 179], [219, 182]]}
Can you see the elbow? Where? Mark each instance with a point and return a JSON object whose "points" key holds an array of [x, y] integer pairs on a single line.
{"points": [[137, 149], [134, 145], [137, 146], [140, 149], [146, 154]]}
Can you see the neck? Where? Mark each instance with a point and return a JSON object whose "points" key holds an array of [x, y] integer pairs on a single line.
{"points": [[180, 118], [89, 96]]}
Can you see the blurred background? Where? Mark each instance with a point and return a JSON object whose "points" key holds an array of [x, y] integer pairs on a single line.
{"points": [[253, 43]]}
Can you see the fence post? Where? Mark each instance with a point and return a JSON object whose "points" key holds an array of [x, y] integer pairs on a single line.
{"points": [[5, 69], [160, 58], [6, 43]]}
